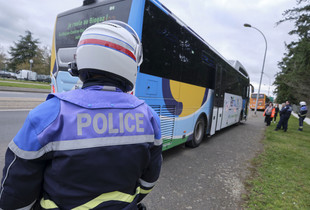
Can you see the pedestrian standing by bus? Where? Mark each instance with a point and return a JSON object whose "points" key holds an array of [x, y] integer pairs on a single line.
{"points": [[276, 113], [302, 114], [92, 148], [285, 114], [269, 114]]}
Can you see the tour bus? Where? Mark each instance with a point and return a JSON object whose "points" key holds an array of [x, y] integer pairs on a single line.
{"points": [[262, 101], [195, 91]]}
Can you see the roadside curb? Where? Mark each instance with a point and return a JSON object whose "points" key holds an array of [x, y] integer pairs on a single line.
{"points": [[17, 89]]}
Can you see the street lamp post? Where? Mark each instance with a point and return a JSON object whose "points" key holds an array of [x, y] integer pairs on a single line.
{"points": [[269, 83], [261, 76], [31, 62]]}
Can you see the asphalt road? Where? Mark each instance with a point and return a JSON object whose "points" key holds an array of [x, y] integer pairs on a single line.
{"points": [[212, 175], [208, 177], [21, 98], [11, 122]]}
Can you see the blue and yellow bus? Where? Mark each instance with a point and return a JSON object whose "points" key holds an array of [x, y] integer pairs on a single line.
{"points": [[195, 91]]}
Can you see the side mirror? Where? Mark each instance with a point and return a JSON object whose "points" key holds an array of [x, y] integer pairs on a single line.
{"points": [[252, 88], [72, 69]]}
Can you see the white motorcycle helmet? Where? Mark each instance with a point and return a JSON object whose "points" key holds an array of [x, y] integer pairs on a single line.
{"points": [[111, 48], [302, 103]]}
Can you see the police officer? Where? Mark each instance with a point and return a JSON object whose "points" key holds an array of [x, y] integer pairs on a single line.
{"points": [[285, 114], [302, 114], [93, 148]]}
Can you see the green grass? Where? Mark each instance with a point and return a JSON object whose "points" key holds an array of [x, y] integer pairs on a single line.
{"points": [[280, 176], [24, 84]]}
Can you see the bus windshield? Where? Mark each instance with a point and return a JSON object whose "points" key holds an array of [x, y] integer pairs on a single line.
{"points": [[70, 25]]}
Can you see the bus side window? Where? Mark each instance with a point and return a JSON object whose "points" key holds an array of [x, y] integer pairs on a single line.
{"points": [[224, 80], [208, 66], [188, 58], [232, 82], [163, 33], [178, 55], [198, 65]]}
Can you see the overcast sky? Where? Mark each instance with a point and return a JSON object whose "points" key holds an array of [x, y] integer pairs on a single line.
{"points": [[219, 22]]}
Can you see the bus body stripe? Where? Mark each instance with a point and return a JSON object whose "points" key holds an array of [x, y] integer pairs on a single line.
{"points": [[108, 44]]}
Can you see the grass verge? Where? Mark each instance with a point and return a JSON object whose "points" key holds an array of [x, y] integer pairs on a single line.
{"points": [[24, 84], [281, 174]]}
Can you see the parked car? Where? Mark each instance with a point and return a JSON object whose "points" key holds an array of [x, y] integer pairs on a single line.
{"points": [[13, 75], [4, 74], [43, 78]]}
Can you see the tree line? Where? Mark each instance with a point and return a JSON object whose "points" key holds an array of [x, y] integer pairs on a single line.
{"points": [[25, 49], [293, 81]]}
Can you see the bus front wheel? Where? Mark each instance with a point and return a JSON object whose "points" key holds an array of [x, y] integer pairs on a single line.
{"points": [[199, 133]]}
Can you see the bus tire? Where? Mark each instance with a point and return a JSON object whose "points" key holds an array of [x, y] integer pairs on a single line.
{"points": [[198, 134]]}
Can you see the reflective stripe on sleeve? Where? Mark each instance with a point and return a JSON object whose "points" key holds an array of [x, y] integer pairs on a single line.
{"points": [[6, 175], [111, 196], [146, 184], [81, 144], [48, 204], [158, 142], [145, 191]]}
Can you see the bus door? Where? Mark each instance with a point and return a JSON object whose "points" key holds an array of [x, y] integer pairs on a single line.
{"points": [[218, 102]]}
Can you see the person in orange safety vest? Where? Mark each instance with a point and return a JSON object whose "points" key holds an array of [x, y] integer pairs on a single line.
{"points": [[269, 113]]}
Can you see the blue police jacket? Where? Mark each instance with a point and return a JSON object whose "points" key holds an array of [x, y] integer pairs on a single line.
{"points": [[303, 111], [286, 111], [84, 149]]}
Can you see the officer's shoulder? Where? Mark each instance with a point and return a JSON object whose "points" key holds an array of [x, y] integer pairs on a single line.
{"points": [[137, 101], [49, 109]]}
